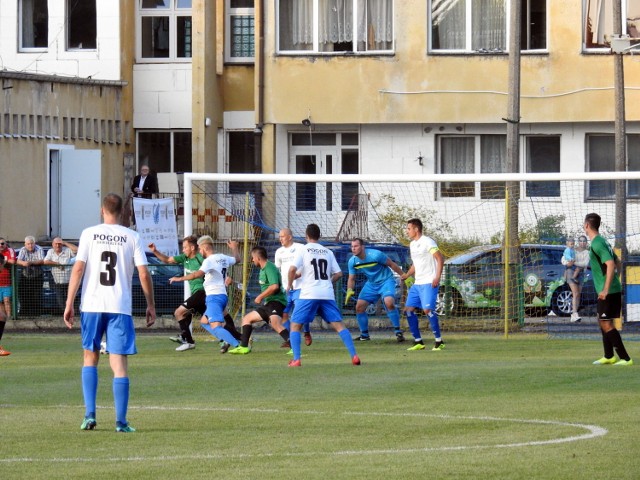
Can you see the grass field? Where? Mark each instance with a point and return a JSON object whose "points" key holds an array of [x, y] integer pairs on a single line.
{"points": [[486, 407]]}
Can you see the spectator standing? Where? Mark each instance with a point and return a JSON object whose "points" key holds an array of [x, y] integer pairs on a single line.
{"points": [[7, 260], [145, 184], [31, 258], [318, 271], [283, 259], [6, 292], [427, 268], [574, 280], [607, 283], [377, 267], [61, 257], [106, 258]]}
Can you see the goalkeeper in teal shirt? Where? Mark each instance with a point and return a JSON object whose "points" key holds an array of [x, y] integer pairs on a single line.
{"points": [[377, 267]]}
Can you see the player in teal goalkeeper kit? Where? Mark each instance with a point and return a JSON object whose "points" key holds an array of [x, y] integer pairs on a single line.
{"points": [[377, 267]]}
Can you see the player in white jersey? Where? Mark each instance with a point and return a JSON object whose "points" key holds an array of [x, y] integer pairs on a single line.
{"points": [[427, 269], [318, 271], [107, 254], [283, 259], [214, 269]]}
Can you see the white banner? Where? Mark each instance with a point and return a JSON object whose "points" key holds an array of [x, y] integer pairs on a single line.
{"points": [[156, 223]]}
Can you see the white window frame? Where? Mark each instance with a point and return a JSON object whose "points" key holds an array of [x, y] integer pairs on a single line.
{"points": [[524, 165], [468, 32], [68, 30], [611, 197], [316, 44], [236, 12], [623, 12], [21, 48], [173, 13]]}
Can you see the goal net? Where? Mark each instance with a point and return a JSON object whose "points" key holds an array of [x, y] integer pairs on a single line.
{"points": [[503, 235]]}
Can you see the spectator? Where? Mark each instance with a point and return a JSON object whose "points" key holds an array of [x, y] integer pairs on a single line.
{"points": [[31, 258], [145, 184], [61, 257], [9, 256], [574, 278], [7, 259]]}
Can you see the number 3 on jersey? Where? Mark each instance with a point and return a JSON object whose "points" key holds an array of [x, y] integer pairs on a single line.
{"points": [[108, 273]]}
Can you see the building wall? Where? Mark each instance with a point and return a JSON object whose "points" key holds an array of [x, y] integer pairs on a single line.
{"points": [[103, 62]]}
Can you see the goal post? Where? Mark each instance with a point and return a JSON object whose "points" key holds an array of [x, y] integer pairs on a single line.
{"points": [[466, 214]]}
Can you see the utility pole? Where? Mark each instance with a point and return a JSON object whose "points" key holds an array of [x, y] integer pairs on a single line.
{"points": [[620, 137], [511, 247]]}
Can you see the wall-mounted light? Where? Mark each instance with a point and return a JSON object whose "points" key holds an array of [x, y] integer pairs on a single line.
{"points": [[207, 122], [306, 122], [420, 159]]}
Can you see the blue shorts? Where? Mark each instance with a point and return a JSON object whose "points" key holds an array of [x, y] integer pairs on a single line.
{"points": [[422, 296], [306, 311], [292, 296], [215, 307], [5, 292], [121, 334], [372, 291]]}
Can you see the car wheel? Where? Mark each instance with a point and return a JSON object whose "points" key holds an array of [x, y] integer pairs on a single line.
{"points": [[454, 306], [562, 301]]}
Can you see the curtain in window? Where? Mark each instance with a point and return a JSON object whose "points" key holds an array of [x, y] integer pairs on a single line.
{"points": [[493, 159], [335, 22], [448, 20], [488, 28], [457, 156], [599, 23], [375, 24], [302, 21], [27, 24]]}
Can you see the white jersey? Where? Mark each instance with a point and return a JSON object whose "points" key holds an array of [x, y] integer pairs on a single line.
{"points": [[110, 253], [215, 269], [284, 259], [317, 264], [424, 262]]}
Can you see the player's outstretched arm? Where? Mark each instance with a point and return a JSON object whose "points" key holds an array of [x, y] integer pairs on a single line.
{"points": [[74, 284], [147, 288]]}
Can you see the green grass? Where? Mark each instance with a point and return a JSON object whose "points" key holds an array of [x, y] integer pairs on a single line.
{"points": [[485, 407]]}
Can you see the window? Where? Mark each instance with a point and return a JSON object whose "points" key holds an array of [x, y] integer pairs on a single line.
{"points": [[165, 28], [598, 22], [482, 25], [601, 158], [542, 155], [472, 154], [165, 151], [242, 160], [240, 34], [335, 26], [81, 24], [34, 25]]}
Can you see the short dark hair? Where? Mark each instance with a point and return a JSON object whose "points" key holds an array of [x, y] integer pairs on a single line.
{"points": [[112, 203], [260, 251], [359, 240], [313, 231], [593, 219], [416, 222], [192, 239]]}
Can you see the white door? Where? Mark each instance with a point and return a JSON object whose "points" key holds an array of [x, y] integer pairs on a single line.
{"points": [[75, 194]]}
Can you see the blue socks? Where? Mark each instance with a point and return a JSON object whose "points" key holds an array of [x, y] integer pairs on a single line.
{"points": [[434, 324], [363, 323], [345, 336], [121, 398], [90, 390], [414, 328], [394, 316], [295, 338]]}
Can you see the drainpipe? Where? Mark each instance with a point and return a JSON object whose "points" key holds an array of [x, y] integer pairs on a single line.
{"points": [[257, 132]]}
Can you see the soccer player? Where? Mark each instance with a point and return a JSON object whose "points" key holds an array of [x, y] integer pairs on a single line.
{"points": [[318, 270], [377, 267], [106, 257], [192, 260], [607, 283], [427, 269], [283, 259], [214, 269], [271, 301]]}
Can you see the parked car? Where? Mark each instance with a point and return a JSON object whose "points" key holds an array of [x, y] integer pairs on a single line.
{"points": [[474, 280]]}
